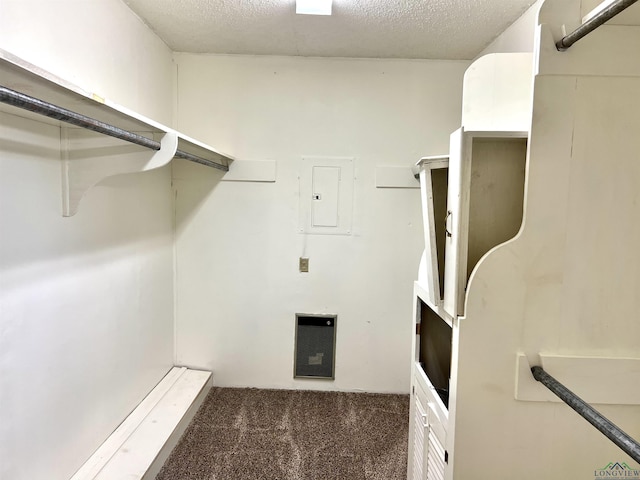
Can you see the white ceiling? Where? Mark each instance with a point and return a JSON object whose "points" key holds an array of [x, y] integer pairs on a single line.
{"points": [[433, 29]]}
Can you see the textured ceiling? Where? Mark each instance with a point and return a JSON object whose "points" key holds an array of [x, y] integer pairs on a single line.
{"points": [[434, 29]]}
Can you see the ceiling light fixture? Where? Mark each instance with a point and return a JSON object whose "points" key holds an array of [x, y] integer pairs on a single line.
{"points": [[313, 7]]}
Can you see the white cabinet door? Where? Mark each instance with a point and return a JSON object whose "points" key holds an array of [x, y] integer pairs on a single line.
{"points": [[420, 441], [484, 203], [428, 431], [435, 457], [428, 456], [457, 209], [433, 190]]}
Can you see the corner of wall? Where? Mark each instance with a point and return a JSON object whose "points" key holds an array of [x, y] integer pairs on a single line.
{"points": [[519, 36]]}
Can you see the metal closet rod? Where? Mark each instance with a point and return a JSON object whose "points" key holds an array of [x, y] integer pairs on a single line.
{"points": [[607, 14], [20, 100], [590, 414]]}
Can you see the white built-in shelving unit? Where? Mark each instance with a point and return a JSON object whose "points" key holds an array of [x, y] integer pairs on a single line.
{"points": [[472, 201], [537, 261]]}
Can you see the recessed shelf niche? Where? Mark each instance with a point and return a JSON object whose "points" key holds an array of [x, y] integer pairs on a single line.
{"points": [[434, 353]]}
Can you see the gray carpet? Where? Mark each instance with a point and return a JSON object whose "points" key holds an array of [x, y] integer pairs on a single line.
{"points": [[251, 434]]}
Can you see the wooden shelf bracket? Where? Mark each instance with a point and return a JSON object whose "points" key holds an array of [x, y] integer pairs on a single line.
{"points": [[89, 157]]}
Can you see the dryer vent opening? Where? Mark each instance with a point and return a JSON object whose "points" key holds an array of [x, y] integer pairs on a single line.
{"points": [[315, 344]]}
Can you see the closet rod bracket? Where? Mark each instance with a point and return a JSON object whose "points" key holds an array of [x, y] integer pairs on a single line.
{"points": [[89, 158]]}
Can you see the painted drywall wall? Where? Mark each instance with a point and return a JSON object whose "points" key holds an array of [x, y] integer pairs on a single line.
{"points": [[86, 303], [519, 36], [99, 45], [238, 285]]}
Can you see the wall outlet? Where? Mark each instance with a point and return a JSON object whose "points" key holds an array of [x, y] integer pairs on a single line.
{"points": [[304, 265]]}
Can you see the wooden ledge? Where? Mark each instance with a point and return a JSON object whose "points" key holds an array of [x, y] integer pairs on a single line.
{"points": [[138, 448]]}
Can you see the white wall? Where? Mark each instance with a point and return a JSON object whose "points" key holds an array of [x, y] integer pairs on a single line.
{"points": [[238, 285], [86, 303], [99, 45], [519, 36]]}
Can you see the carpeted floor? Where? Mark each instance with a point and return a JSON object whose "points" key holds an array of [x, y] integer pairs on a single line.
{"points": [[251, 434]]}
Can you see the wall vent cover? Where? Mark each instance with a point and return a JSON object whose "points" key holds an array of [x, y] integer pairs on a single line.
{"points": [[315, 346]]}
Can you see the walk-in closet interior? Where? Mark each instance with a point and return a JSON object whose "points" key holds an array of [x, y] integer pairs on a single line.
{"points": [[397, 202]]}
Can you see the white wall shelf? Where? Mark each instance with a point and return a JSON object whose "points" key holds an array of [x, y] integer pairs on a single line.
{"points": [[89, 157]]}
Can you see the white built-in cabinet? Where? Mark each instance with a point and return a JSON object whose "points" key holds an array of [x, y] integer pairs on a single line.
{"points": [[428, 432], [484, 203], [472, 201], [430, 393]]}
